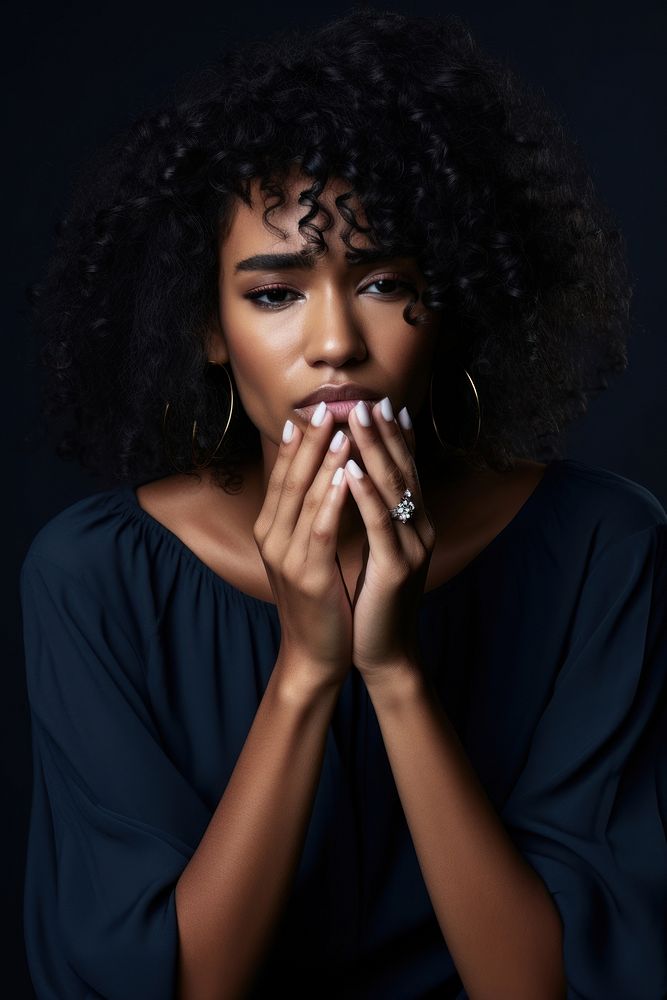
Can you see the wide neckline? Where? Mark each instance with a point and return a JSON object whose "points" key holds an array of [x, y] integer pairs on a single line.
{"points": [[128, 494]]}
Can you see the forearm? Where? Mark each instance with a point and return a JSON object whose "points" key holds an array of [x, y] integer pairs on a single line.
{"points": [[500, 923], [234, 888]]}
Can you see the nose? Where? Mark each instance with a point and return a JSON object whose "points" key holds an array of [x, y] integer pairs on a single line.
{"points": [[333, 337]]}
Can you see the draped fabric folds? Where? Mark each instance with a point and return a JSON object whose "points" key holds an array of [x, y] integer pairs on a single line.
{"points": [[144, 671]]}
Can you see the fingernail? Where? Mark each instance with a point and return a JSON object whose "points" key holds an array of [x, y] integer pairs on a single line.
{"points": [[385, 408], [319, 414], [404, 418], [354, 468], [288, 430], [363, 414], [337, 441], [338, 476]]}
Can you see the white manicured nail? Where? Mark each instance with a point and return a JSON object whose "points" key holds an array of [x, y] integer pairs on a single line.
{"points": [[385, 408], [404, 418], [338, 476], [354, 468], [337, 441], [363, 414], [319, 414], [288, 430]]}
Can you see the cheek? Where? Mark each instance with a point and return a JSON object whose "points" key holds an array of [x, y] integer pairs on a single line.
{"points": [[407, 355], [410, 360], [256, 344], [258, 366], [250, 368]]}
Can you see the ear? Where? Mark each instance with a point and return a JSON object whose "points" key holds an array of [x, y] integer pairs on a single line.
{"points": [[217, 346]]}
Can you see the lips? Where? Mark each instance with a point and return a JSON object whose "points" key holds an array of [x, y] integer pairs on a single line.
{"points": [[340, 409], [345, 391], [340, 399]]}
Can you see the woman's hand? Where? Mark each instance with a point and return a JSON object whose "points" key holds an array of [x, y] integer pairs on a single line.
{"points": [[297, 534], [397, 555]]}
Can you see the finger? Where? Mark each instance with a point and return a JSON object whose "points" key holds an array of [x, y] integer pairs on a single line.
{"points": [[290, 441], [319, 488], [428, 532], [405, 423], [397, 441], [301, 470], [390, 464], [384, 542], [323, 533]]}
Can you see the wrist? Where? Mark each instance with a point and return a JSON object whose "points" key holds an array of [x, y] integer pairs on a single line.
{"points": [[395, 681], [299, 678]]}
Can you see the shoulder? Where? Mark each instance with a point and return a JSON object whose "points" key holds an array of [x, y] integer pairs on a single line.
{"points": [[87, 564], [82, 540], [608, 504], [90, 547]]}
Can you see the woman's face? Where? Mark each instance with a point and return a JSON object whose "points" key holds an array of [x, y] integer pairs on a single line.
{"points": [[326, 323]]}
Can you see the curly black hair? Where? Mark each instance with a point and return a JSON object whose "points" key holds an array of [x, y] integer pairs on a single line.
{"points": [[455, 161]]}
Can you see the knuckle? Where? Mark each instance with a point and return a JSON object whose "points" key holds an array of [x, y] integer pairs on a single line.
{"points": [[429, 538], [269, 552], [395, 479], [292, 485], [310, 502], [291, 567], [321, 532], [383, 520]]}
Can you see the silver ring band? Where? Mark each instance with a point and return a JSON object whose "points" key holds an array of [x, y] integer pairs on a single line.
{"points": [[404, 509]]}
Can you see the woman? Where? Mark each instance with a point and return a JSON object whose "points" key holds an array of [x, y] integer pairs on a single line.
{"points": [[345, 689]]}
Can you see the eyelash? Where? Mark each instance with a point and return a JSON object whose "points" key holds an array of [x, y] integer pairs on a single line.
{"points": [[254, 295]]}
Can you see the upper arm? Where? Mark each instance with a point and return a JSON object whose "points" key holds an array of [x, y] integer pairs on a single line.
{"points": [[589, 808], [113, 821]]}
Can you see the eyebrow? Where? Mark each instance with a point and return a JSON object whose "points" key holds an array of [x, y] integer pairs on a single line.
{"points": [[306, 260]]}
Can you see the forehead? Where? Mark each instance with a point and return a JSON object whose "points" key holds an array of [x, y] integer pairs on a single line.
{"points": [[248, 233]]}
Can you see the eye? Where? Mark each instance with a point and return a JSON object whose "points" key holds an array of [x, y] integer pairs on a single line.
{"points": [[391, 279], [266, 290]]}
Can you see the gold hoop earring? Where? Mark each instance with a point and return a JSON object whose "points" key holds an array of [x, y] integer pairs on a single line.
{"points": [[455, 449], [195, 463]]}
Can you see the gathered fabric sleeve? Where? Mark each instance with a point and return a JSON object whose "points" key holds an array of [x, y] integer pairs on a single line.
{"points": [[589, 809], [113, 822]]}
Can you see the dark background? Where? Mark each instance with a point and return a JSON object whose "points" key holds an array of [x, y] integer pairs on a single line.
{"points": [[72, 76]]}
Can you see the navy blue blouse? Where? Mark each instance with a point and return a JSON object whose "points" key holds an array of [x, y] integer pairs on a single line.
{"points": [[145, 670]]}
